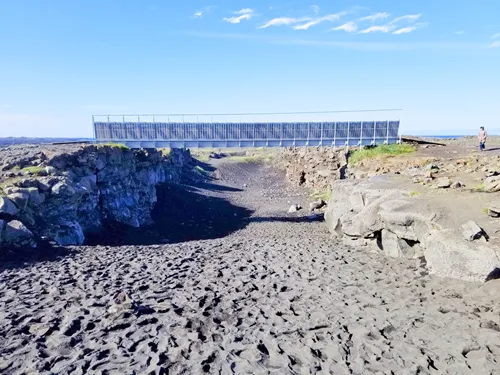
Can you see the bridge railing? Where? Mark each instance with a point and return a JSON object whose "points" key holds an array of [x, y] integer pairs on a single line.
{"points": [[204, 134]]}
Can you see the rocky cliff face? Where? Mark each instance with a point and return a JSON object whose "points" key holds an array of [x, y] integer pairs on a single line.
{"points": [[61, 193]]}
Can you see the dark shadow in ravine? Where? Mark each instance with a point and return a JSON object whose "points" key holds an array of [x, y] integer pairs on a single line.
{"points": [[182, 213], [44, 252]]}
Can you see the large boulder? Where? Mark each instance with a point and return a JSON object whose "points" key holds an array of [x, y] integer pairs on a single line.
{"points": [[375, 215], [492, 184], [448, 255], [7, 207], [16, 235]]}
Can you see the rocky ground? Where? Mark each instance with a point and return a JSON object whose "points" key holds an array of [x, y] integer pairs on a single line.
{"points": [[241, 288]]}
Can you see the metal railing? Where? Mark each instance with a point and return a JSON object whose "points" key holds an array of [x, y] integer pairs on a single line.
{"points": [[246, 134]]}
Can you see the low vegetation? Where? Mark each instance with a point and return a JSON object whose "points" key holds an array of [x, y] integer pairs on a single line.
{"points": [[33, 170], [479, 187], [356, 156], [414, 193], [121, 146], [323, 195]]}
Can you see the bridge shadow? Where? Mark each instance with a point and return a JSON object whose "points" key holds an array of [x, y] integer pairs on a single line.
{"points": [[182, 213]]}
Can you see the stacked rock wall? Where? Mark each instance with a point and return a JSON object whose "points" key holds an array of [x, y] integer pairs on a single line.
{"points": [[74, 192], [314, 167]]}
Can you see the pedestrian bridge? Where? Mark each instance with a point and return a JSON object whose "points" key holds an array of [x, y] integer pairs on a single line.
{"points": [[153, 134]]}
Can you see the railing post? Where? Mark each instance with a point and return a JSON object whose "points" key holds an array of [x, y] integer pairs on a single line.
{"points": [[361, 135], [308, 132], [155, 128], [140, 127], [387, 134], [321, 134], [335, 134], [348, 131]]}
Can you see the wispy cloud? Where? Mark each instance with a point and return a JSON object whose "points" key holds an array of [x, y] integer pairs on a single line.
{"points": [[316, 21], [245, 14], [495, 44], [405, 30], [283, 21], [244, 11], [495, 36], [378, 29], [408, 18], [409, 29], [348, 27], [202, 12], [315, 9], [375, 17]]}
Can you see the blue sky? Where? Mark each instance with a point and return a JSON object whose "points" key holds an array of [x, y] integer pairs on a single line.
{"points": [[62, 61]]}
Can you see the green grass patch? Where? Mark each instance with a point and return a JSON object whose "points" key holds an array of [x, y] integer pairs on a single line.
{"points": [[33, 170], [165, 151], [357, 156], [200, 169], [486, 211], [323, 195], [121, 146], [479, 187], [16, 168], [414, 193]]}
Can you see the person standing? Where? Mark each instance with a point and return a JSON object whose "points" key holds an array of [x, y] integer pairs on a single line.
{"points": [[482, 138]]}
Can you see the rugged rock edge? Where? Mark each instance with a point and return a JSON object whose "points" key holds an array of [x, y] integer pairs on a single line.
{"points": [[368, 213], [74, 192]]}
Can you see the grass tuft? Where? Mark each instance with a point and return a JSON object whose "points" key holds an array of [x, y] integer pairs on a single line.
{"points": [[324, 195], [121, 146], [379, 151], [414, 193], [33, 170], [479, 187]]}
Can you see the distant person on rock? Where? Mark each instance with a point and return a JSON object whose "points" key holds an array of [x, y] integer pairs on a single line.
{"points": [[482, 138]]}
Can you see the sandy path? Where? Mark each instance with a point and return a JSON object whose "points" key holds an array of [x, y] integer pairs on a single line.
{"points": [[274, 297]]}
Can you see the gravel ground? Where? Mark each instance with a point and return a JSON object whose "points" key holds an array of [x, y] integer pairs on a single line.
{"points": [[242, 288]]}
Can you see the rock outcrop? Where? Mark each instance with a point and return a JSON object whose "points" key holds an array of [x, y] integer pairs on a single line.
{"points": [[70, 193], [374, 214], [314, 167]]}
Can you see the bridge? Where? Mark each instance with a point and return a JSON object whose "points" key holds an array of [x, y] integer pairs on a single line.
{"points": [[280, 130]]}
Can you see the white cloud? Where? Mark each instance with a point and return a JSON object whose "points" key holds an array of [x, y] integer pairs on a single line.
{"points": [[375, 17], [244, 11], [459, 32], [238, 19], [405, 30], [315, 21], [496, 36], [348, 27], [495, 45], [378, 29], [201, 12], [408, 18], [283, 21], [315, 9], [409, 29]]}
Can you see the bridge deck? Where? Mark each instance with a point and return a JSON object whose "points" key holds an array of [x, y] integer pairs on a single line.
{"points": [[221, 135]]}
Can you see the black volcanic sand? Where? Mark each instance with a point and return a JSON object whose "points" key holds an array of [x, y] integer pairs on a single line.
{"points": [[241, 287]]}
